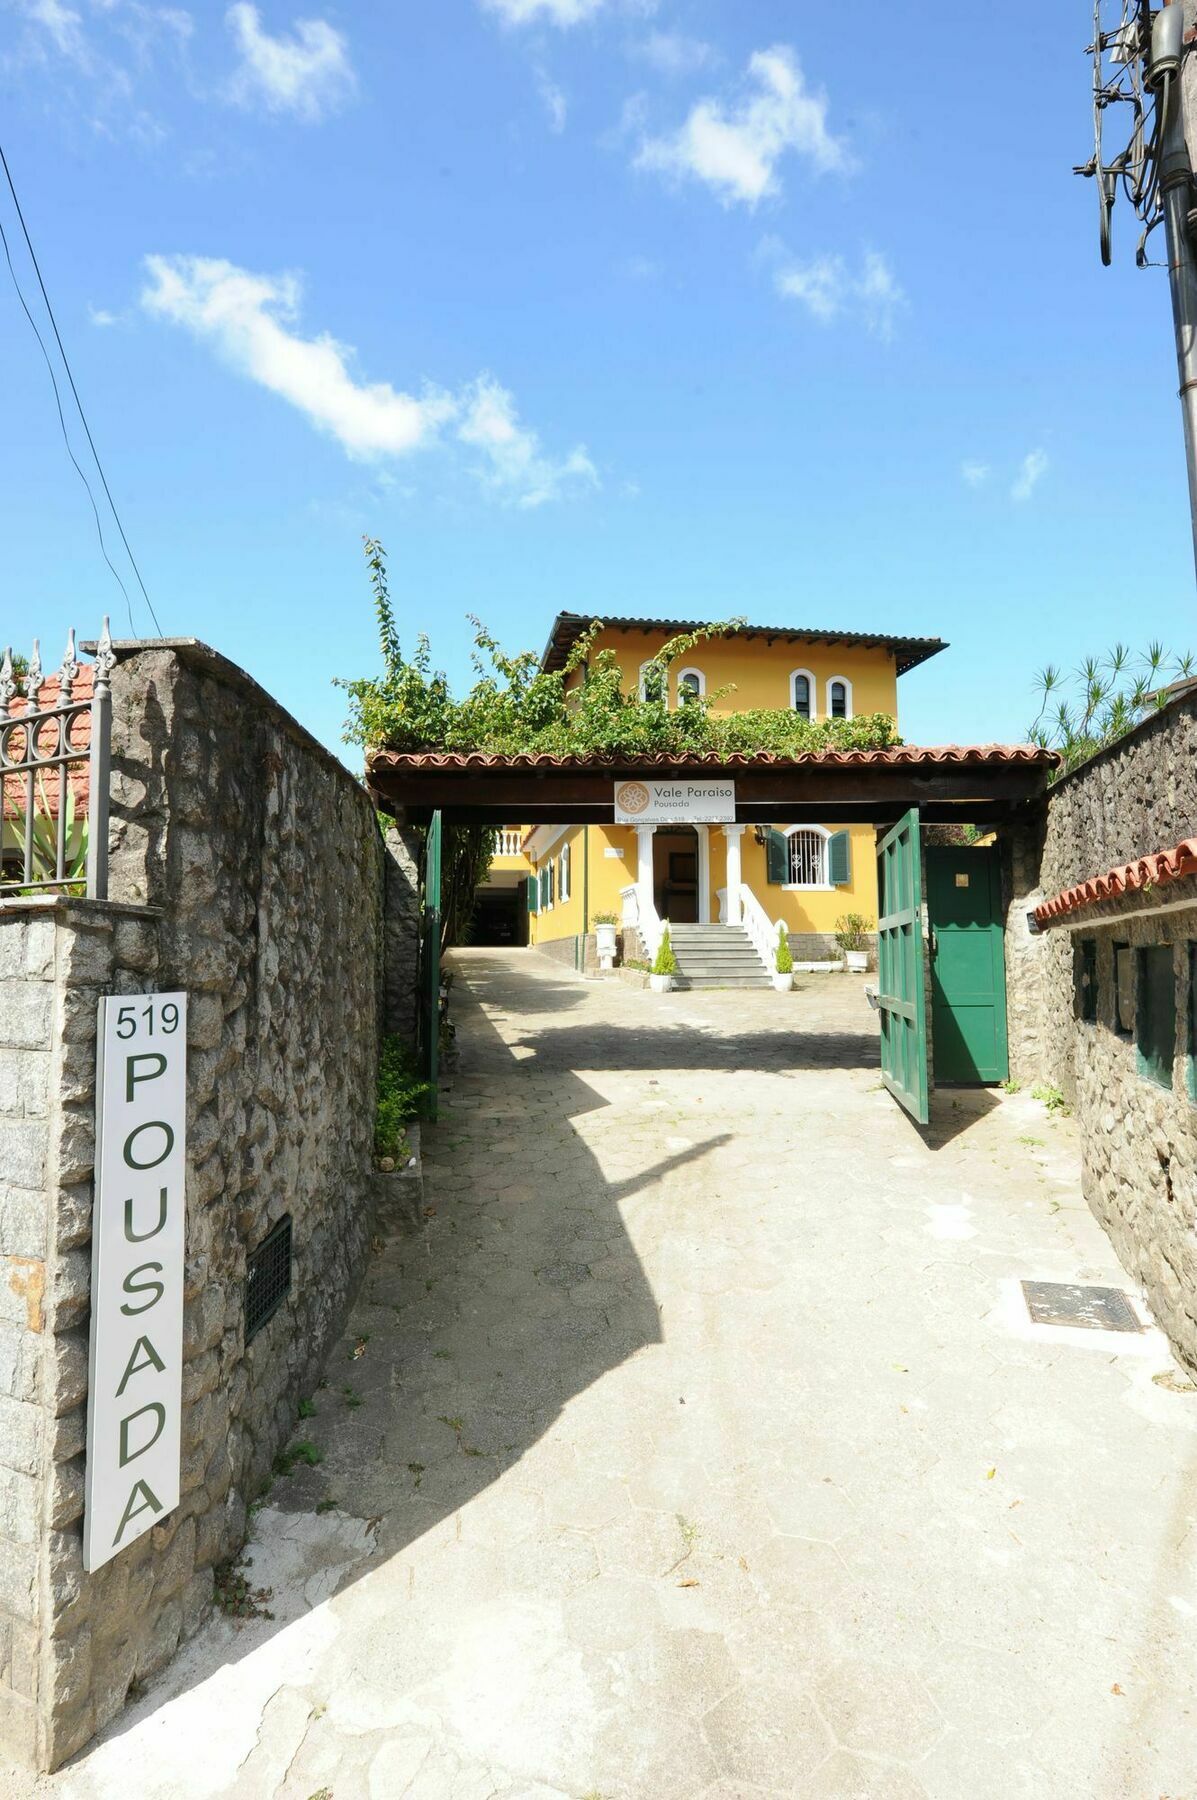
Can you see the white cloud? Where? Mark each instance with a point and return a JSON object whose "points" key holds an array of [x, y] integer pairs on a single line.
{"points": [[515, 467], [673, 53], [827, 287], [736, 149], [1030, 472], [249, 320], [100, 316], [308, 73], [974, 474], [63, 25], [554, 100], [537, 12]]}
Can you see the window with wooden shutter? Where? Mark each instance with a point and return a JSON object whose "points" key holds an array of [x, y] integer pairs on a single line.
{"points": [[777, 852], [1155, 1023], [531, 887], [839, 859]]}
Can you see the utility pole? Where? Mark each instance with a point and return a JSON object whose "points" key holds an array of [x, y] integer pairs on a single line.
{"points": [[1177, 96]]}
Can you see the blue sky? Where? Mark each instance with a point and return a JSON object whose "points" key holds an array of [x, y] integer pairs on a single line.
{"points": [[689, 308]]}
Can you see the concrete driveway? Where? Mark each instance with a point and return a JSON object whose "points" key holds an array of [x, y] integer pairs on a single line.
{"points": [[700, 1446]]}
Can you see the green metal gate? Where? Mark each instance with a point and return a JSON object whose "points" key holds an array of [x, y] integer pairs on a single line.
{"points": [[901, 993], [430, 964], [968, 965]]}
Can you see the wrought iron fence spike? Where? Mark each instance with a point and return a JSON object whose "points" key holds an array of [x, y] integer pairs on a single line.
{"points": [[69, 672], [8, 686], [105, 655], [33, 676]]}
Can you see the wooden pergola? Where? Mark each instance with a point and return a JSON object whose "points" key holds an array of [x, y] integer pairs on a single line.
{"points": [[980, 784]]}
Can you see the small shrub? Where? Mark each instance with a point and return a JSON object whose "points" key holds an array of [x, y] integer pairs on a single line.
{"points": [[785, 959], [852, 931], [401, 1093], [1012, 1086], [1052, 1097], [604, 918], [665, 962]]}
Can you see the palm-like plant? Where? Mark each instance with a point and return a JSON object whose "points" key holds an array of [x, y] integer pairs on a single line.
{"points": [[1102, 699], [45, 842]]}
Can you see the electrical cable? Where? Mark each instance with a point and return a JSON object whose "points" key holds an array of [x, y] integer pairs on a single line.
{"points": [[62, 422], [74, 390]]}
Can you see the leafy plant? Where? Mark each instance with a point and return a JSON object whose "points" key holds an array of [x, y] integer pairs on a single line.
{"points": [[604, 918], [45, 842], [665, 962], [852, 931], [400, 1094], [515, 705], [1052, 1097], [785, 958], [1102, 699]]}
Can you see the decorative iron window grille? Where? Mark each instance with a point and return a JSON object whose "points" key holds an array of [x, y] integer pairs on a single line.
{"points": [[54, 774], [808, 859], [268, 1277]]}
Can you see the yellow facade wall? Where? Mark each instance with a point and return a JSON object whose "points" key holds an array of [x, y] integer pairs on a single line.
{"points": [[597, 880], [759, 670]]}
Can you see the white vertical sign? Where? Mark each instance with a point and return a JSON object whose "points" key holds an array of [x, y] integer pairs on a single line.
{"points": [[135, 1395]]}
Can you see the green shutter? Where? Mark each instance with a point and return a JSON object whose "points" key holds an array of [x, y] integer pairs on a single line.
{"points": [[531, 885], [777, 857], [839, 859]]}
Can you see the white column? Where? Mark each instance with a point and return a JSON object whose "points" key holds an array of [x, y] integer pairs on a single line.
{"points": [[704, 873], [733, 834], [644, 869]]}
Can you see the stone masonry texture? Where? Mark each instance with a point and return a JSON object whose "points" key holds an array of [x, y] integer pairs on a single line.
{"points": [[246, 870], [1139, 1140]]}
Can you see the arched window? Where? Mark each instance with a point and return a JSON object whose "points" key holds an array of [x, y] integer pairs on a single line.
{"points": [[802, 693], [839, 698], [807, 856], [652, 680], [691, 684]]}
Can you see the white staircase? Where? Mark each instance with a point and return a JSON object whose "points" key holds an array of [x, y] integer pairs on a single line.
{"points": [[716, 956]]}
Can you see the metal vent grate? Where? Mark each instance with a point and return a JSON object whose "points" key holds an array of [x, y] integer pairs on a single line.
{"points": [[268, 1278], [1069, 1303]]}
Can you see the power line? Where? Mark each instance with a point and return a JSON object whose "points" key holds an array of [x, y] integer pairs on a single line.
{"points": [[74, 390], [62, 422]]}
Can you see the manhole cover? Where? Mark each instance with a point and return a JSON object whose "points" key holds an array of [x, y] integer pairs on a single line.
{"points": [[1068, 1303]]}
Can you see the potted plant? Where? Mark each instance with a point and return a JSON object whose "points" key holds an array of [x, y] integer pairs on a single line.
{"points": [[664, 967], [783, 972], [852, 936], [604, 939]]}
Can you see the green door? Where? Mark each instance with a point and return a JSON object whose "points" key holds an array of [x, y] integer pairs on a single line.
{"points": [[430, 964], [901, 997], [968, 965]]}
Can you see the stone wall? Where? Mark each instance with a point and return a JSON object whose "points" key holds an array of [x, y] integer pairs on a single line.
{"points": [[254, 866], [1139, 1141], [402, 851]]}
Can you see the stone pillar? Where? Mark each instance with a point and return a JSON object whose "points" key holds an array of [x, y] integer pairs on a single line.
{"points": [[1027, 957], [733, 834], [644, 870]]}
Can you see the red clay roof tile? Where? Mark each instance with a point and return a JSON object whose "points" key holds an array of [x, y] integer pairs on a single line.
{"points": [[942, 754], [1156, 870]]}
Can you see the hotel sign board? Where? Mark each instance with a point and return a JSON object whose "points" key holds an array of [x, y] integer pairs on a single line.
{"points": [[675, 802], [135, 1390]]}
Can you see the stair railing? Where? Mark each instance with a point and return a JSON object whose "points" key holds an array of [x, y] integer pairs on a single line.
{"points": [[762, 934]]}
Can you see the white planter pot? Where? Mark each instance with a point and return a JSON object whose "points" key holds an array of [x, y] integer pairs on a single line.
{"points": [[660, 984], [783, 983], [604, 943], [857, 961]]}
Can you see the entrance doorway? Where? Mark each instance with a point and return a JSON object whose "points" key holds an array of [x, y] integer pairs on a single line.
{"points": [[676, 874], [968, 964]]}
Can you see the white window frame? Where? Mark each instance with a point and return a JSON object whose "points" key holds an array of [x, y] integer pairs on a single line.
{"points": [[698, 676], [563, 862], [812, 687], [644, 668], [847, 686], [808, 887]]}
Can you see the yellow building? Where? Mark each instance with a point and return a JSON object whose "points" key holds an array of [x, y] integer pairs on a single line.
{"points": [[559, 880]]}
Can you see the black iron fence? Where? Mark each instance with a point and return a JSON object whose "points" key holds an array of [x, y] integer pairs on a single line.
{"points": [[55, 762]]}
